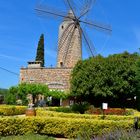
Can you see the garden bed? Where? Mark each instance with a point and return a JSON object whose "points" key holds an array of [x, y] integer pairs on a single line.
{"points": [[56, 126], [10, 110]]}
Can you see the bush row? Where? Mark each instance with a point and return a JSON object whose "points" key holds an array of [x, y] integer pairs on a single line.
{"points": [[41, 112], [60, 109], [6, 110], [92, 110], [110, 111], [56, 126]]}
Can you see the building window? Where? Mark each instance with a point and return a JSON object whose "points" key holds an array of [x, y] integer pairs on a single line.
{"points": [[61, 64]]}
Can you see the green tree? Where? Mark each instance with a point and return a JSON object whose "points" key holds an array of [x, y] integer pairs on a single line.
{"points": [[40, 50], [32, 88], [11, 96], [58, 94], [3, 91], [137, 78], [110, 79]]}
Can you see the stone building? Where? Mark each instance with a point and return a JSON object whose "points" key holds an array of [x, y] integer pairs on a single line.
{"points": [[55, 78], [69, 52]]}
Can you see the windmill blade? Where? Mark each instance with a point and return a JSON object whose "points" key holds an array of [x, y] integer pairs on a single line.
{"points": [[87, 7], [79, 7], [44, 10], [74, 6], [70, 6], [98, 26], [65, 35], [88, 43]]}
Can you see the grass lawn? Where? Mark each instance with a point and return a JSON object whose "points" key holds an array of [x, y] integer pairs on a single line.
{"points": [[27, 137]]}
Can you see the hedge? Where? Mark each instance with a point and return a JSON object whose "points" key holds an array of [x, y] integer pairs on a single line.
{"points": [[6, 110], [92, 110], [60, 109], [56, 126], [109, 111], [44, 113]]}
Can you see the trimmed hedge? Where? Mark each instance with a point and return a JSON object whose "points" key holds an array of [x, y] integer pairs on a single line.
{"points": [[44, 113], [109, 111], [92, 110], [65, 127], [60, 109], [6, 110]]}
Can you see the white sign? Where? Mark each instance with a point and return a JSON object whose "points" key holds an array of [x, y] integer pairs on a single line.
{"points": [[105, 105]]}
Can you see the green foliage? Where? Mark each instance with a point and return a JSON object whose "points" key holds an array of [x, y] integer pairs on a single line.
{"points": [[43, 113], [85, 134], [65, 127], [137, 78], [31, 88], [64, 109], [58, 94], [3, 91], [22, 90], [109, 111], [60, 109], [6, 110], [28, 137], [100, 79], [40, 50], [10, 97], [80, 107]]}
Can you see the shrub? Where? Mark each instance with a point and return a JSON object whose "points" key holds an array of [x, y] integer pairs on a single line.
{"points": [[64, 109], [44, 113], [109, 111], [85, 108], [60, 109], [66, 127], [7, 110], [80, 107], [64, 115], [10, 97]]}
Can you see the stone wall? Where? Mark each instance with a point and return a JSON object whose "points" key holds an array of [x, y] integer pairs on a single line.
{"points": [[55, 78]]}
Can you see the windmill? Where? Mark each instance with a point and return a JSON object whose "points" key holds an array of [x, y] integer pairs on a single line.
{"points": [[71, 32]]}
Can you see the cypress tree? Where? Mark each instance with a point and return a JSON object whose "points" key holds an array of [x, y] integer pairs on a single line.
{"points": [[40, 50]]}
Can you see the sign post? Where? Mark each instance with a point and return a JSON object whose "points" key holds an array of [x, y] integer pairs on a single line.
{"points": [[104, 107]]}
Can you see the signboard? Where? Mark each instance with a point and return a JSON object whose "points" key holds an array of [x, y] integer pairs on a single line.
{"points": [[104, 105]]}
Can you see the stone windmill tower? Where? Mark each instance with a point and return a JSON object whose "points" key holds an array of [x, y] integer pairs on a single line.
{"points": [[69, 43], [71, 31]]}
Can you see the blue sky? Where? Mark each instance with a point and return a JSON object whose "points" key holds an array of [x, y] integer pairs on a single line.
{"points": [[20, 29]]}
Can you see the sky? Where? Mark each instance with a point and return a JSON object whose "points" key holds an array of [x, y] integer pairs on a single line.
{"points": [[21, 27]]}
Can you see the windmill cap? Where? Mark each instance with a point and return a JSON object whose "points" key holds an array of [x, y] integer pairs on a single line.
{"points": [[69, 16]]}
